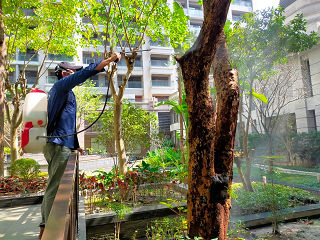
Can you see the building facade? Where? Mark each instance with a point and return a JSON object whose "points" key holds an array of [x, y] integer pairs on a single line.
{"points": [[154, 77]]}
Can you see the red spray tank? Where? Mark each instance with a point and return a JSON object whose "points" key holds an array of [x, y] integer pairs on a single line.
{"points": [[34, 120]]}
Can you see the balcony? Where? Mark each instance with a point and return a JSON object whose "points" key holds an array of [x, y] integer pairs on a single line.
{"points": [[137, 62], [194, 12], [158, 62], [59, 58], [88, 60], [27, 56], [160, 83], [134, 84], [31, 80], [242, 3]]}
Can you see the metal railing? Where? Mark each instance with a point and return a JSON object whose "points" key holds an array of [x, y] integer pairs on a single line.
{"points": [[63, 219]]}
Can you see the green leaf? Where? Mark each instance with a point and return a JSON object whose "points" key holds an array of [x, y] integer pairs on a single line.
{"points": [[259, 96]]}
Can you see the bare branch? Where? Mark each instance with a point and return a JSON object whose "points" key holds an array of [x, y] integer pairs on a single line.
{"points": [[124, 26]]}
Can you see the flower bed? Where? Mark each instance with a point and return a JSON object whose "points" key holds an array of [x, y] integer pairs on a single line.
{"points": [[14, 185]]}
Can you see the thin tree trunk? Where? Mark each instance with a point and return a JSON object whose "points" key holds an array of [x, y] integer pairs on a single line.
{"points": [[118, 138], [208, 200], [14, 143], [245, 142], [3, 73], [239, 167], [181, 116]]}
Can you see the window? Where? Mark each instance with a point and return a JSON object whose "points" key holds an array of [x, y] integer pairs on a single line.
{"points": [[159, 61], [95, 80], [29, 55], [164, 121], [59, 57], [311, 120], [138, 98], [236, 15], [134, 81], [31, 76], [137, 62], [89, 57], [306, 76], [160, 81], [162, 98], [12, 77], [51, 78], [242, 3], [195, 11]]}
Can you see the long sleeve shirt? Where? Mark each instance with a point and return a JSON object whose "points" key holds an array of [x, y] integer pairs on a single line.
{"points": [[62, 107]]}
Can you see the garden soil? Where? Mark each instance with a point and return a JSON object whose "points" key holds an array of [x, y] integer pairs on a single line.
{"points": [[302, 229]]}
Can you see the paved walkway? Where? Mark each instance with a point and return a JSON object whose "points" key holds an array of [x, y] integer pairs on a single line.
{"points": [[20, 223], [285, 170]]}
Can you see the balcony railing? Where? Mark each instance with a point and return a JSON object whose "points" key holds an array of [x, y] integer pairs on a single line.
{"points": [[242, 3], [160, 83], [31, 80], [122, 63], [91, 60], [132, 84], [60, 58], [195, 12], [159, 62], [27, 56], [236, 18], [63, 219]]}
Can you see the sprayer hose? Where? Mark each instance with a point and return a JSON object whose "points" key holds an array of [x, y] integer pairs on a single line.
{"points": [[68, 135]]}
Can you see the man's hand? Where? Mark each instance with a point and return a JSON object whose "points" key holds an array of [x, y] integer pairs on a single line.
{"points": [[115, 57], [81, 151]]}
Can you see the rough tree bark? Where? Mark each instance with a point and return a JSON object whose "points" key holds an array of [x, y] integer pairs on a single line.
{"points": [[210, 166], [3, 55], [226, 82]]}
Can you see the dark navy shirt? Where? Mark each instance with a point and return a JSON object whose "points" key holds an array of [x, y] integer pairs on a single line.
{"points": [[62, 107]]}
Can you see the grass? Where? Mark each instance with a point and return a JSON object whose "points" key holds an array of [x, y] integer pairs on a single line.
{"points": [[287, 178]]}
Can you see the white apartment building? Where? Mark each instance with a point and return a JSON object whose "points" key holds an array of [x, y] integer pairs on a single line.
{"points": [[304, 110], [153, 78], [307, 109]]}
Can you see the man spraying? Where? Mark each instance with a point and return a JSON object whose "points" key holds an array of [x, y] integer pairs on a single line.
{"points": [[62, 110]]}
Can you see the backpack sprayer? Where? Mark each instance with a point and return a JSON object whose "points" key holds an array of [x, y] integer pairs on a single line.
{"points": [[34, 118]]}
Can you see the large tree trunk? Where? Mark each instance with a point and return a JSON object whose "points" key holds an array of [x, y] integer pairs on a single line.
{"points": [[3, 56], [208, 200], [226, 82]]}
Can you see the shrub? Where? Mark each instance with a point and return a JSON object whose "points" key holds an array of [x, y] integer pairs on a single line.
{"points": [[25, 168], [14, 185], [306, 146], [165, 157], [264, 194]]}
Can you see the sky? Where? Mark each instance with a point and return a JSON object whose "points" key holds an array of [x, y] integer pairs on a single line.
{"points": [[262, 4]]}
